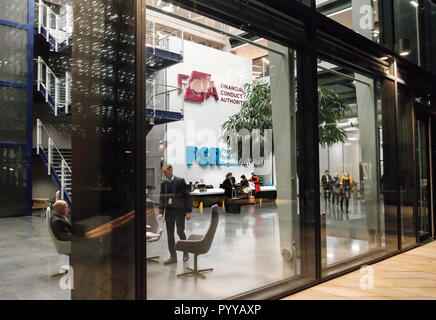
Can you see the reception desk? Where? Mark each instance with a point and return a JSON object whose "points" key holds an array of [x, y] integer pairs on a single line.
{"points": [[216, 195]]}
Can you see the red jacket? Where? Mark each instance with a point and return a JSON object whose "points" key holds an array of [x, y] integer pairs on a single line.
{"points": [[255, 180]]}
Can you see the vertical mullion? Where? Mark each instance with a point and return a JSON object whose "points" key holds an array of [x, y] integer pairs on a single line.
{"points": [[140, 253], [29, 107], [399, 160]]}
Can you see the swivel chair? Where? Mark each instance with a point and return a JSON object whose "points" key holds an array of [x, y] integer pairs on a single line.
{"points": [[199, 244], [62, 247], [153, 232]]}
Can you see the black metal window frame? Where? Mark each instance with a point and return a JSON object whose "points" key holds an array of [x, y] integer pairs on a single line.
{"points": [[299, 27]]}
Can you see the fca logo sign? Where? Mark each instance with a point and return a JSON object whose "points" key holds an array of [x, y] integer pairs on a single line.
{"points": [[204, 156], [198, 87]]}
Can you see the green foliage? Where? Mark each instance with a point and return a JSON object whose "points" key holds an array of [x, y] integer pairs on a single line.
{"points": [[256, 113], [331, 108]]}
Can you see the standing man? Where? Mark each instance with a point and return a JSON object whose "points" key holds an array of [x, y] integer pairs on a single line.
{"points": [[326, 185], [176, 203], [229, 185]]}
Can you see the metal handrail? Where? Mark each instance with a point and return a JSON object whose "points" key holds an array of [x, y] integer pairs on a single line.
{"points": [[61, 92], [153, 36], [151, 101], [51, 23], [39, 126]]}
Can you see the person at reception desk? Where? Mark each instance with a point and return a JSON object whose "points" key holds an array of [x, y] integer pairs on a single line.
{"points": [[229, 185], [244, 182], [255, 179], [175, 203], [59, 221]]}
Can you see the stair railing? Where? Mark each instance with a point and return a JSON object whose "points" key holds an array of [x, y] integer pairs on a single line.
{"points": [[161, 41], [51, 150], [51, 21], [53, 86]]}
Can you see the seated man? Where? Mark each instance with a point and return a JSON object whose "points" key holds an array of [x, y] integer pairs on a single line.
{"points": [[59, 222]]}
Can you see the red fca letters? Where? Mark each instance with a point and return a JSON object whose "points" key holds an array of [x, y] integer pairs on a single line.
{"points": [[200, 86]]}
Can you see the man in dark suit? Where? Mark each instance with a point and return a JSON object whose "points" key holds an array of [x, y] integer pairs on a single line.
{"points": [[175, 202], [229, 185], [59, 221]]}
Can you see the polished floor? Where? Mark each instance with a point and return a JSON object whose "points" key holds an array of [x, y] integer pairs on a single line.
{"points": [[245, 255], [407, 276], [27, 261]]}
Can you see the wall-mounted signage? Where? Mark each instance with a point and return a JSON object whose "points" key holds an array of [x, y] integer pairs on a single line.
{"points": [[209, 156], [200, 87]]}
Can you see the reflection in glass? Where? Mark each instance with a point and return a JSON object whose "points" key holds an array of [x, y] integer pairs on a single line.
{"points": [[351, 168], [361, 16], [237, 101], [14, 10], [12, 181], [13, 114], [407, 166], [13, 65], [423, 176]]}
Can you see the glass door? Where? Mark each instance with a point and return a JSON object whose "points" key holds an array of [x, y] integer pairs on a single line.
{"points": [[423, 177]]}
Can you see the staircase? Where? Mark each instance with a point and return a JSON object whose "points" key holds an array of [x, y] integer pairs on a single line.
{"points": [[57, 161], [163, 50], [56, 29], [56, 90]]}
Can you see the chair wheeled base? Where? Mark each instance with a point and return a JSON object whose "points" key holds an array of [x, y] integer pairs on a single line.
{"points": [[153, 259], [195, 271]]}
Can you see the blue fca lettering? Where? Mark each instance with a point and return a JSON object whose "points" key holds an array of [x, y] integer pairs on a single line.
{"points": [[204, 156]]}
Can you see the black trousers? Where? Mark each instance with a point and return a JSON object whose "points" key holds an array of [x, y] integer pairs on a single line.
{"points": [[173, 219]]}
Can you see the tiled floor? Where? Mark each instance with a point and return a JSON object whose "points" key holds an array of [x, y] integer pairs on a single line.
{"points": [[245, 255], [411, 275], [27, 260]]}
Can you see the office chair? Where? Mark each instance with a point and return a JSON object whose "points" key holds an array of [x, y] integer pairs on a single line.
{"points": [[62, 247], [154, 231], [199, 244]]}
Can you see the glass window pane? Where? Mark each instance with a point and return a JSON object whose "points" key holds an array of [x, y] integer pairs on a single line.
{"points": [[361, 16], [407, 30], [353, 220], [407, 166], [223, 111], [13, 64], [14, 10], [13, 114], [12, 181]]}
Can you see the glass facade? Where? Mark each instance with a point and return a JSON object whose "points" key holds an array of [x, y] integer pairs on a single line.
{"points": [[216, 151], [13, 63], [14, 11], [362, 16], [351, 167], [14, 98], [232, 101], [404, 26]]}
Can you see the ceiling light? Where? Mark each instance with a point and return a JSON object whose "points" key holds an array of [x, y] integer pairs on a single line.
{"points": [[384, 58], [414, 3], [403, 47]]}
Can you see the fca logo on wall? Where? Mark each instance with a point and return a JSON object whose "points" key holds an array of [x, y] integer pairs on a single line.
{"points": [[205, 156], [198, 86]]}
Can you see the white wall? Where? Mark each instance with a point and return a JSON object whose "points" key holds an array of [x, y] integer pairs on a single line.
{"points": [[201, 126]]}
